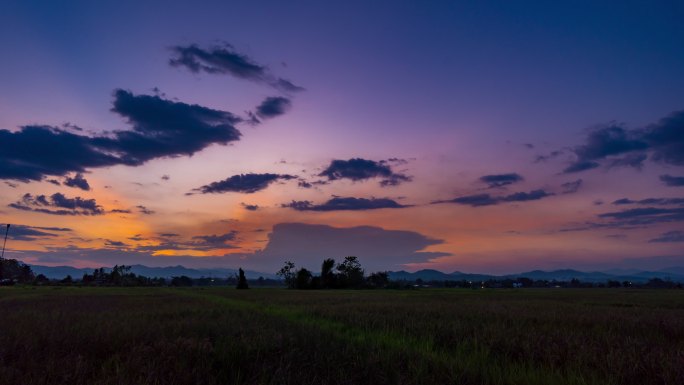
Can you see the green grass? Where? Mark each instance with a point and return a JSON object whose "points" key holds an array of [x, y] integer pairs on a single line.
{"points": [[275, 336]]}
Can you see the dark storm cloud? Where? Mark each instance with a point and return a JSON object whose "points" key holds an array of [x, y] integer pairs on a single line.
{"points": [[651, 201], [243, 183], [273, 106], [358, 169], [670, 236], [375, 247], [618, 146], [572, 187], [78, 181], [478, 200], [58, 204], [672, 181], [500, 180], [340, 204], [31, 233], [160, 128], [224, 60]]}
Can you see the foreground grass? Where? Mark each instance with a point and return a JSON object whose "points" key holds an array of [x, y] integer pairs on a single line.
{"points": [[272, 336]]}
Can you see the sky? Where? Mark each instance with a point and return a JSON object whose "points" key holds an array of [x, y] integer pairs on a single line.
{"points": [[492, 137]]}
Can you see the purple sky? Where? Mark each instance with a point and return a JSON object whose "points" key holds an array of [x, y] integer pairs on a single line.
{"points": [[491, 138]]}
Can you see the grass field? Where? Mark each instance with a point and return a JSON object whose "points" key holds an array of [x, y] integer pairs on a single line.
{"points": [[277, 336]]}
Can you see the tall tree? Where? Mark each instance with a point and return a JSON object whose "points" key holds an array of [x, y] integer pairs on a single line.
{"points": [[287, 272], [351, 273], [242, 280], [327, 273]]}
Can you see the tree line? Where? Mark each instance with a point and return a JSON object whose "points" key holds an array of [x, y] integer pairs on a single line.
{"points": [[345, 275], [13, 271]]}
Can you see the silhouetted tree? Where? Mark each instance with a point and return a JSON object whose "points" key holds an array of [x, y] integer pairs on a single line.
{"points": [[327, 273], [378, 280], [303, 280], [13, 270], [41, 279], [288, 274], [351, 273], [181, 281], [242, 280]]}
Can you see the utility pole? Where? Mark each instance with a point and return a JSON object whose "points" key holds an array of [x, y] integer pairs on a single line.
{"points": [[5, 243]]}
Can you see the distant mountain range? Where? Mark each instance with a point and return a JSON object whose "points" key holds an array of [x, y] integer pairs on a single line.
{"points": [[59, 272], [672, 273], [675, 274]]}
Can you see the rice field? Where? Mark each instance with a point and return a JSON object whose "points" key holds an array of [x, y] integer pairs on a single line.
{"points": [[71, 335]]}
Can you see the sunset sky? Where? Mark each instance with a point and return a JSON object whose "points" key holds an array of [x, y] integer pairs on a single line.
{"points": [[492, 137]]}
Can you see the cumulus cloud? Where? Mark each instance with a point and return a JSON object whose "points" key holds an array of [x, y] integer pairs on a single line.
{"points": [[77, 181], [160, 128], [350, 203], [614, 145], [36, 151], [58, 204], [358, 169], [243, 183], [500, 180], [225, 60], [164, 128], [273, 106]]}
